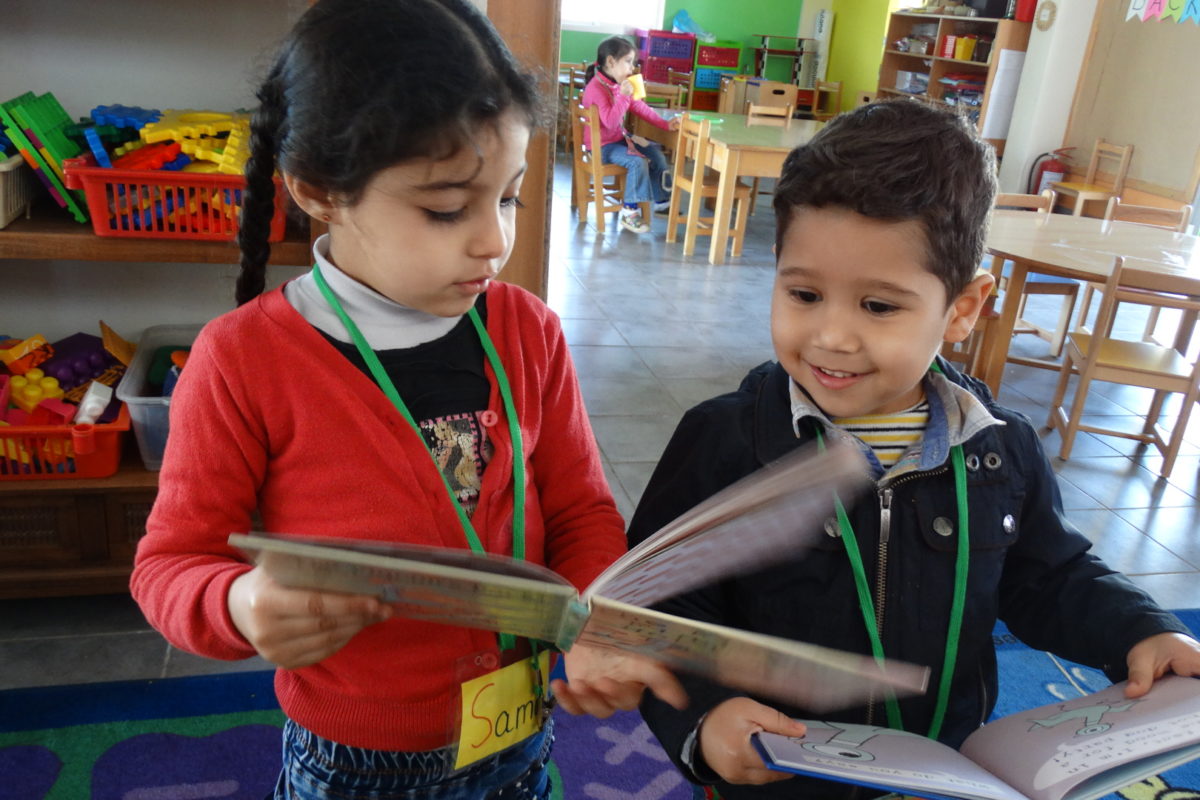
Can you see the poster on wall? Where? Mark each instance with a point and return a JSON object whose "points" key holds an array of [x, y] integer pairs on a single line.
{"points": [[822, 29], [1164, 10]]}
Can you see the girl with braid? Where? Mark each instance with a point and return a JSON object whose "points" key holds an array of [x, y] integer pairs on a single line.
{"points": [[322, 407]]}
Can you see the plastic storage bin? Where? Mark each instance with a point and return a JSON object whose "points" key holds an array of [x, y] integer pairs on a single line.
{"points": [[719, 54], [158, 204], [149, 410], [54, 452], [710, 77], [665, 44], [15, 188], [655, 69]]}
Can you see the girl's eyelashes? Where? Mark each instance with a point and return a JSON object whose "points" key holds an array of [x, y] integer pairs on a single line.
{"points": [[511, 202], [445, 216]]}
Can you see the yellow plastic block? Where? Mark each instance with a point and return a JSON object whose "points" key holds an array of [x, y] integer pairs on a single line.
{"points": [[180, 124], [32, 388]]}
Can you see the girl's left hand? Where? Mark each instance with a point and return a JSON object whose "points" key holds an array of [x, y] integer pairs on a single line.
{"points": [[601, 680], [1155, 656]]}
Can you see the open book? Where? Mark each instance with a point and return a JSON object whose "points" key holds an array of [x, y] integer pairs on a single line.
{"points": [[1075, 750], [769, 516]]}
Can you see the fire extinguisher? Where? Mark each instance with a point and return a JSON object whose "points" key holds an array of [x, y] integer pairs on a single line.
{"points": [[1044, 173]]}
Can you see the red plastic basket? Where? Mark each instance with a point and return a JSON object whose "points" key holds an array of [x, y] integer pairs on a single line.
{"points": [[718, 56], [54, 452], [159, 204], [655, 69]]}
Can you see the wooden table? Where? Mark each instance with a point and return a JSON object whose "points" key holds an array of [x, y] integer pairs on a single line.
{"points": [[739, 151], [1084, 248]]}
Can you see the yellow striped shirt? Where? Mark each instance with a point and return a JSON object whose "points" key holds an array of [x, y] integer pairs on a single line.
{"points": [[888, 435]]}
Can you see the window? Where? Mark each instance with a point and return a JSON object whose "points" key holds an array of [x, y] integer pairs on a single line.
{"points": [[611, 16]]}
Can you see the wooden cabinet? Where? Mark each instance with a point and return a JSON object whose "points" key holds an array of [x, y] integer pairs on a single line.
{"points": [[927, 74]]}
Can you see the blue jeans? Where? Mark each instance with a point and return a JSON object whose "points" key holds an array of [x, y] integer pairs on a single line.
{"points": [[643, 179], [318, 769]]}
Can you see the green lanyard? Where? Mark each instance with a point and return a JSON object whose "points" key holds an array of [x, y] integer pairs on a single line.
{"points": [[957, 603], [507, 640]]}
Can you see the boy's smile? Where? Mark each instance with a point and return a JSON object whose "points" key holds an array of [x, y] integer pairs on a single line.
{"points": [[856, 318]]}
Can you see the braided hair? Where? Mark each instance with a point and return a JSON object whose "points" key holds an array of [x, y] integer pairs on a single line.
{"points": [[359, 86]]}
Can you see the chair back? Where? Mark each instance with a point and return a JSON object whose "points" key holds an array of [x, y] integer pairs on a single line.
{"points": [[1177, 219], [1042, 203], [1115, 160], [757, 114], [834, 90], [683, 79], [671, 93]]}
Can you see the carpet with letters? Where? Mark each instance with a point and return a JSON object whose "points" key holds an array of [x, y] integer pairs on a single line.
{"points": [[217, 736]]}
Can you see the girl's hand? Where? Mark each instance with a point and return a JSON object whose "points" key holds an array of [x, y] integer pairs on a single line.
{"points": [[627, 88], [674, 124], [1155, 656], [725, 740], [603, 680], [294, 628]]}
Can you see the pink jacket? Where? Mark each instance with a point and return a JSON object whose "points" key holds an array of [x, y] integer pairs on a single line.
{"points": [[606, 96]]}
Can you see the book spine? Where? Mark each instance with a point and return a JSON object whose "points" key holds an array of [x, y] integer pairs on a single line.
{"points": [[573, 621]]}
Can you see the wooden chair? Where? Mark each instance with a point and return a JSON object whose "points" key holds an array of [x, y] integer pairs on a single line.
{"points": [[598, 184], [684, 80], [690, 175], [832, 89], [571, 81], [1100, 357], [759, 114], [1177, 220], [1090, 188], [666, 95], [1037, 284]]}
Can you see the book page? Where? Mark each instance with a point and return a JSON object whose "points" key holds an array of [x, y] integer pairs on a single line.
{"points": [[509, 596], [803, 674], [1048, 751], [882, 758], [771, 514]]}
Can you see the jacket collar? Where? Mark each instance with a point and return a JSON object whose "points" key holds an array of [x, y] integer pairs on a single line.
{"points": [[956, 414]]}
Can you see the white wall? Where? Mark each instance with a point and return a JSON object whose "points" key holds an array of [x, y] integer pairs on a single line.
{"points": [[134, 52], [1052, 66]]}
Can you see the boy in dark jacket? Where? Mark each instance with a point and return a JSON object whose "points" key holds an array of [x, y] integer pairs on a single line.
{"points": [[881, 223]]}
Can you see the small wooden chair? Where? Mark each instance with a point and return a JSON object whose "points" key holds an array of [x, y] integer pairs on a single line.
{"points": [[570, 85], [1037, 284], [832, 89], [1100, 357], [760, 114], [666, 95], [590, 177], [1175, 219], [690, 175], [1090, 188], [684, 80]]}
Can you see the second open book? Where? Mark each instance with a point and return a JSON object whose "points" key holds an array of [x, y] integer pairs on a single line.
{"points": [[767, 517]]}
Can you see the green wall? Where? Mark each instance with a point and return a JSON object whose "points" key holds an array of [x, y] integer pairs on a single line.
{"points": [[856, 46], [727, 21]]}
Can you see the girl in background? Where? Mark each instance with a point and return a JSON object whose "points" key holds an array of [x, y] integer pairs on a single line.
{"points": [[344, 404], [609, 89]]}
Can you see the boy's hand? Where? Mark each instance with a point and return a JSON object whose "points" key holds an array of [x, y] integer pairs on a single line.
{"points": [[725, 740], [1153, 657], [603, 680], [294, 628]]}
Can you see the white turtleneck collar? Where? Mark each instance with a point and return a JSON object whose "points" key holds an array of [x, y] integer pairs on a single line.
{"points": [[386, 324]]}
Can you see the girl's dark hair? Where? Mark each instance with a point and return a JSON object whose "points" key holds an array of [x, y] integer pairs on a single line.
{"points": [[362, 85], [615, 46], [900, 160]]}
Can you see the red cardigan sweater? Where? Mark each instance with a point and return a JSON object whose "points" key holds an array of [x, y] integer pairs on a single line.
{"points": [[269, 416]]}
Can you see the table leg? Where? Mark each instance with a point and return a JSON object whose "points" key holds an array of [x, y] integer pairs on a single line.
{"points": [[993, 371], [724, 206]]}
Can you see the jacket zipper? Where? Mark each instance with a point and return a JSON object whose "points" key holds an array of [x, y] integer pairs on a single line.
{"points": [[881, 560]]}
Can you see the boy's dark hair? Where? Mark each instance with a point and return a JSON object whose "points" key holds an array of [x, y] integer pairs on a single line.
{"points": [[615, 46], [362, 85], [900, 160]]}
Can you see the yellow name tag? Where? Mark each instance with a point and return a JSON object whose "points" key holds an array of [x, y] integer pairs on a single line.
{"points": [[500, 709]]}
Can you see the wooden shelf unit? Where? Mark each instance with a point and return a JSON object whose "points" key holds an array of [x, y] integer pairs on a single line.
{"points": [[78, 536], [1006, 34]]}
